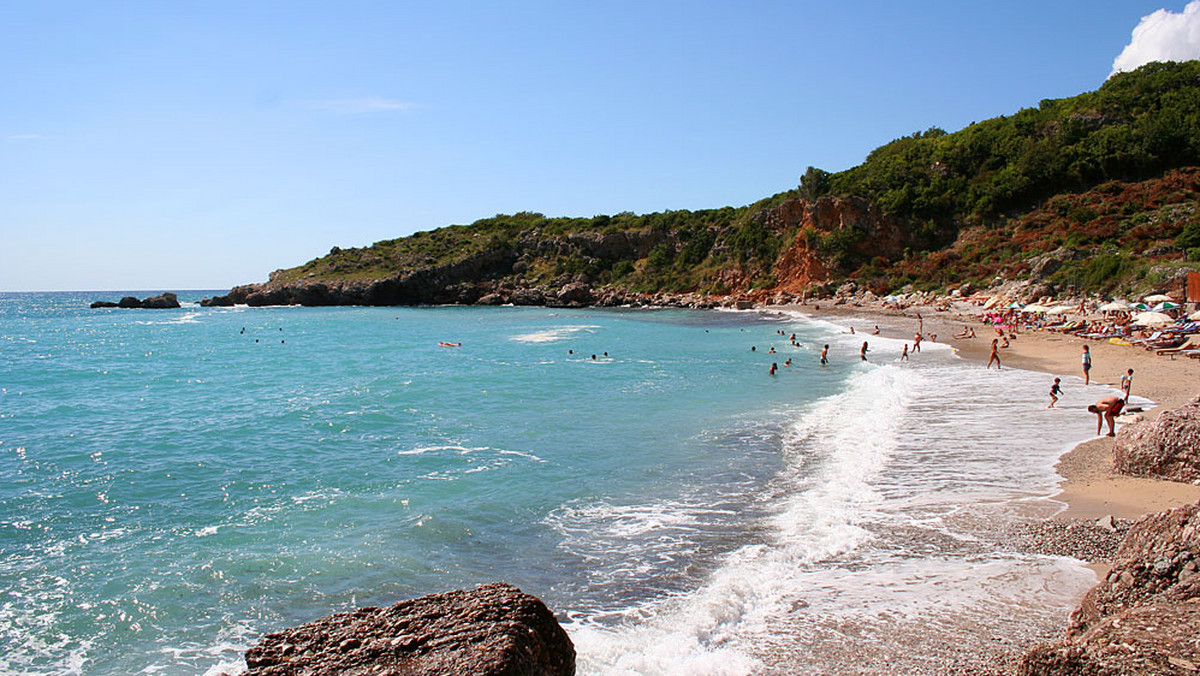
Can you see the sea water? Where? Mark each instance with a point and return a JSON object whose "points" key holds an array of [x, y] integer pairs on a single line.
{"points": [[176, 483]]}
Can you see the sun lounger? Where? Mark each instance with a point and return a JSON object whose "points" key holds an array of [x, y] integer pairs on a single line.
{"points": [[1190, 344]]}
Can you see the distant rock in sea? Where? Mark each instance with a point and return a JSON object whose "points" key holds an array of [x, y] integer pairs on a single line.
{"points": [[494, 629], [164, 301]]}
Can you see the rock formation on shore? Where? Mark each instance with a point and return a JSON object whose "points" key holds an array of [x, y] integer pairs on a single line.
{"points": [[492, 630], [1143, 618], [1167, 447], [164, 301]]}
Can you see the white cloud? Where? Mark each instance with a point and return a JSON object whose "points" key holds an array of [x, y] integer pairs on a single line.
{"points": [[23, 137], [369, 104], [1162, 36]]}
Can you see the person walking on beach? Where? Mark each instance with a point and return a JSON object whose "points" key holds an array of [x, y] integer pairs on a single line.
{"points": [[824, 355], [1108, 409], [1055, 390], [1127, 384], [995, 355], [1087, 365], [863, 352]]}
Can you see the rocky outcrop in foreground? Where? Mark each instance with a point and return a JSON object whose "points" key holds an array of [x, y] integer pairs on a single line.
{"points": [[165, 301], [1143, 618], [1167, 447], [495, 629]]}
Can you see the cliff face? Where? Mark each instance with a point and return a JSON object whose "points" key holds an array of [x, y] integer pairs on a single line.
{"points": [[826, 229]]}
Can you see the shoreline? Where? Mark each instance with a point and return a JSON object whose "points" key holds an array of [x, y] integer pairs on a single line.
{"points": [[1088, 488]]}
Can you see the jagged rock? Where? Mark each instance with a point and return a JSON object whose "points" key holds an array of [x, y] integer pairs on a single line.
{"points": [[129, 303], [1167, 447], [103, 304], [164, 301], [495, 629], [1142, 618], [575, 294], [490, 299], [217, 301]]}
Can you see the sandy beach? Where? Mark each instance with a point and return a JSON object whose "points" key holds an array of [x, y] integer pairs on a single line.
{"points": [[1090, 490]]}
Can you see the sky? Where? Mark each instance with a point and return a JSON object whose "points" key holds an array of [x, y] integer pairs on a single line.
{"points": [[166, 146]]}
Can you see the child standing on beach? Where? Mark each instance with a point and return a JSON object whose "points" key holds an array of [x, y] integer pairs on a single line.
{"points": [[1127, 384], [1055, 390], [1087, 365]]}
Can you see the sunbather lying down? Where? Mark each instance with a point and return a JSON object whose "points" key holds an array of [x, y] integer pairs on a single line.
{"points": [[1192, 343]]}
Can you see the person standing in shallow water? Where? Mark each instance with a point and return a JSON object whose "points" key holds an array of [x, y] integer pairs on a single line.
{"points": [[995, 355], [824, 355], [1055, 390], [863, 352], [1087, 365]]}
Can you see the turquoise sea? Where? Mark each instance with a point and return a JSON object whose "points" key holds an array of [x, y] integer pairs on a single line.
{"points": [[175, 483]]}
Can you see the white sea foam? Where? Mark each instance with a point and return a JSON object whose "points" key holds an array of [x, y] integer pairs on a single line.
{"points": [[554, 335], [864, 523]]}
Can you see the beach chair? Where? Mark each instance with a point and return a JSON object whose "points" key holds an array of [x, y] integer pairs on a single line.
{"points": [[1189, 344]]}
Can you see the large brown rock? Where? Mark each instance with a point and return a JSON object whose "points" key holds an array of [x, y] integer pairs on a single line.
{"points": [[1143, 618], [1167, 447], [495, 629]]}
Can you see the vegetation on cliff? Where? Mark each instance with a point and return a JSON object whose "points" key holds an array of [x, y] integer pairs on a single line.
{"points": [[1104, 183]]}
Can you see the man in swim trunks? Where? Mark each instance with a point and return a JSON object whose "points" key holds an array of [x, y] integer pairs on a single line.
{"points": [[1108, 409], [825, 355]]}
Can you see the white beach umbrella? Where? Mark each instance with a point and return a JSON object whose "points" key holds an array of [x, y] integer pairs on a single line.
{"points": [[1061, 309], [1165, 305], [1114, 306], [1195, 316], [1152, 319], [1157, 298], [1036, 308]]}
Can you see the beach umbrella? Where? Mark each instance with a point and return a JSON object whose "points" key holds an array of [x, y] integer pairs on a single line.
{"points": [[1195, 316], [1140, 307], [1115, 306], [1036, 308], [1061, 309], [1014, 306], [1165, 305], [1152, 319], [1157, 298]]}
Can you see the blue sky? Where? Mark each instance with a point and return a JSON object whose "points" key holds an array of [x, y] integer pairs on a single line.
{"points": [[198, 145]]}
